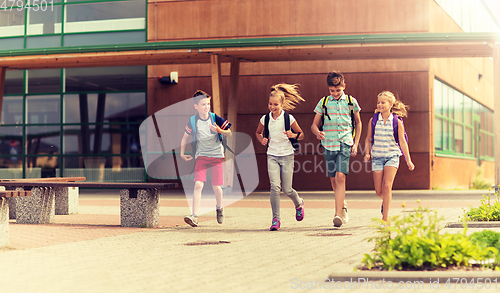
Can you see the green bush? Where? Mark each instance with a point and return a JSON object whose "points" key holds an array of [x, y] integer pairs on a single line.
{"points": [[486, 238], [478, 180], [413, 242], [487, 211]]}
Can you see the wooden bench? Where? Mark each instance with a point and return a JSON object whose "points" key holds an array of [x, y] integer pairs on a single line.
{"points": [[139, 202], [4, 212], [66, 198]]}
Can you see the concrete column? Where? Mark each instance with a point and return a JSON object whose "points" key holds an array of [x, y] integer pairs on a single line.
{"points": [[141, 211], [4, 220], [39, 208]]}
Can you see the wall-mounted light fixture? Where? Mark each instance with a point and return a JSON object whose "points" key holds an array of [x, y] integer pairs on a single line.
{"points": [[172, 79]]}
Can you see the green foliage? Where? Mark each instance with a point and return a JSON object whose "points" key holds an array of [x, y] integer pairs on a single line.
{"points": [[486, 238], [478, 180], [487, 211], [413, 242]]}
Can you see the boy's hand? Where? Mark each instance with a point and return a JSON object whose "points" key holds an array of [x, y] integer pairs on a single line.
{"points": [[410, 165], [320, 135], [354, 150], [186, 157], [264, 141], [215, 128]]}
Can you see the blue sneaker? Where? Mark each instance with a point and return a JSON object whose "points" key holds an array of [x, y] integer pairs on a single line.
{"points": [[276, 225]]}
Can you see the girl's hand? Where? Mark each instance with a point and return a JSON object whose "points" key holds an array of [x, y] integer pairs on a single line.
{"points": [[290, 134], [411, 166], [321, 135], [354, 150], [186, 157], [366, 158], [264, 141]]}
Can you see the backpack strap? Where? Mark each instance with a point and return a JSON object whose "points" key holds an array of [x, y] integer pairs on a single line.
{"points": [[374, 123], [266, 125], [351, 111], [395, 126], [193, 124], [287, 121], [324, 112]]}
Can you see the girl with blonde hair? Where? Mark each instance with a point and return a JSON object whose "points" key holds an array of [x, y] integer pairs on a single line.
{"points": [[385, 143], [280, 148]]}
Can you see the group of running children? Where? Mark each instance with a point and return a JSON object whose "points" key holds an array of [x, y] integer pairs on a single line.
{"points": [[337, 124]]}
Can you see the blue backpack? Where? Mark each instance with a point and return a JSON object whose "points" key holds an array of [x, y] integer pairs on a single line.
{"points": [[395, 126], [212, 121]]}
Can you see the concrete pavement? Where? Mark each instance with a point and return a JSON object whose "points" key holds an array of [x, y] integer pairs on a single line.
{"points": [[89, 252]]}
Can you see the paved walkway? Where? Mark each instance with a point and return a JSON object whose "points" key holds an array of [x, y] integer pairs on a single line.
{"points": [[89, 252]]}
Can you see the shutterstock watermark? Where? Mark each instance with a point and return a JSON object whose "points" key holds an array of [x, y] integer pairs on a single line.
{"points": [[160, 136]]}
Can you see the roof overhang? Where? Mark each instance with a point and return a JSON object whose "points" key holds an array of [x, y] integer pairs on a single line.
{"points": [[339, 47]]}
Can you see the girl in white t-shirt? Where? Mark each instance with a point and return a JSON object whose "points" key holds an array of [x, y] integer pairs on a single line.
{"points": [[280, 152]]}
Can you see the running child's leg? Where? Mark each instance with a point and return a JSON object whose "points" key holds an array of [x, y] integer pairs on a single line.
{"points": [[274, 171], [287, 179], [388, 180]]}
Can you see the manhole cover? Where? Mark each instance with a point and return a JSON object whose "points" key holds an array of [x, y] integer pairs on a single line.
{"points": [[329, 234], [206, 243]]}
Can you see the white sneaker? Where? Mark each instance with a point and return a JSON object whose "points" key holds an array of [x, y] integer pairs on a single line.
{"points": [[344, 215], [337, 221]]}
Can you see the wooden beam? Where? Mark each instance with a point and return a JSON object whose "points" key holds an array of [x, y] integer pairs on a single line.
{"points": [[232, 114], [3, 72], [496, 104], [216, 85]]}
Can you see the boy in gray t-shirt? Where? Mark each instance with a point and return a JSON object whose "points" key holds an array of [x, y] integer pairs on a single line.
{"points": [[207, 129]]}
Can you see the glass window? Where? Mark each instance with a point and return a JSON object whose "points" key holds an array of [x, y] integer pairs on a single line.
{"points": [[44, 22], [438, 97], [43, 109], [11, 43], [468, 139], [123, 78], [467, 110], [105, 38], [43, 139], [44, 81], [43, 42], [105, 16], [11, 23], [12, 110], [459, 134], [14, 81], [458, 106], [438, 133]]}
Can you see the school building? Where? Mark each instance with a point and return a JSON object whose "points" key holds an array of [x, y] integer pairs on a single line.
{"points": [[79, 78]]}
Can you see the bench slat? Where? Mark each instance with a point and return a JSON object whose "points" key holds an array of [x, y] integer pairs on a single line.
{"points": [[122, 185], [15, 193], [53, 179]]}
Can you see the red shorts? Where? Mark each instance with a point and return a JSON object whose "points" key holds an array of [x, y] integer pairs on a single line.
{"points": [[215, 166]]}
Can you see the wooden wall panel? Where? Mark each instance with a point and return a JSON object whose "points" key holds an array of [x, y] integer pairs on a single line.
{"points": [[178, 20]]}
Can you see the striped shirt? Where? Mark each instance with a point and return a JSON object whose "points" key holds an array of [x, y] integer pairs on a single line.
{"points": [[384, 144], [339, 128]]}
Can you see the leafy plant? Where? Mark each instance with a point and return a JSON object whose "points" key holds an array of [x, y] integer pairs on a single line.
{"points": [[487, 238], [414, 242], [487, 211], [478, 180]]}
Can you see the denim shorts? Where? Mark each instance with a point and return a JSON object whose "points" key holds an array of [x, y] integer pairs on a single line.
{"points": [[378, 164], [337, 161]]}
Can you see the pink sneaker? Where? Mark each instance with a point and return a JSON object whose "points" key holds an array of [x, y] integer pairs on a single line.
{"points": [[276, 225], [299, 212]]}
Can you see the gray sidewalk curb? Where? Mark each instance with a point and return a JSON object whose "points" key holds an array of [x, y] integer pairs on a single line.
{"points": [[485, 224], [414, 276]]}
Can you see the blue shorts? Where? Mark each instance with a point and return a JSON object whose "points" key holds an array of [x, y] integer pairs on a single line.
{"points": [[378, 164], [337, 161]]}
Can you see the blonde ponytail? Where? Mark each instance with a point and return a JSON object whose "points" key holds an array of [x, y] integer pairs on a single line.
{"points": [[398, 107], [288, 94]]}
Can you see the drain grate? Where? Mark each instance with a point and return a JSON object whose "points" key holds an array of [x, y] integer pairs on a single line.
{"points": [[206, 243], [330, 234]]}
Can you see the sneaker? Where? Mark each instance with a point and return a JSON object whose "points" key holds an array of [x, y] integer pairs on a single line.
{"points": [[191, 220], [299, 212], [220, 215], [344, 215], [337, 221], [275, 226]]}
